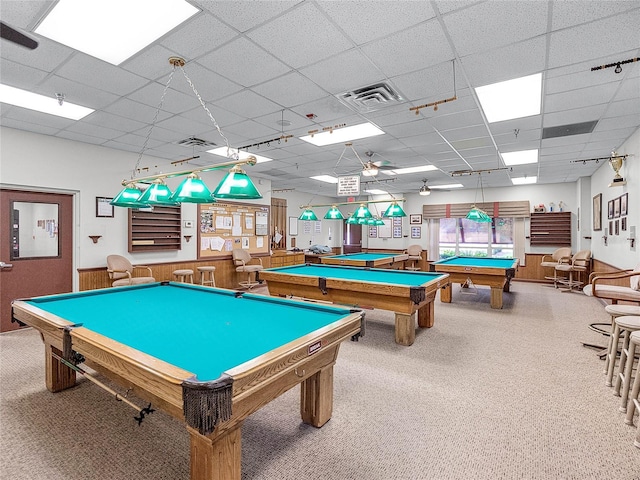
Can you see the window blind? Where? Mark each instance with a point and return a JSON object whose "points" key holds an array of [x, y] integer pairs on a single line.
{"points": [[515, 209]]}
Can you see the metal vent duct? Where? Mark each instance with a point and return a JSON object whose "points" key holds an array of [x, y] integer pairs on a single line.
{"points": [[370, 98], [196, 142], [567, 130]]}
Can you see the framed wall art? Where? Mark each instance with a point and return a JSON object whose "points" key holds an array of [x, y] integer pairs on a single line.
{"points": [[623, 204], [597, 212], [104, 207], [610, 209], [616, 207], [415, 219]]}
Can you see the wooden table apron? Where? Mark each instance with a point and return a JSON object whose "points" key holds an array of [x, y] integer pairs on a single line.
{"points": [[394, 297], [498, 278], [217, 455]]}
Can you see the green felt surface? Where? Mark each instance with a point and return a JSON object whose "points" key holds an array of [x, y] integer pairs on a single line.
{"points": [[477, 262], [378, 275], [365, 257], [202, 330]]}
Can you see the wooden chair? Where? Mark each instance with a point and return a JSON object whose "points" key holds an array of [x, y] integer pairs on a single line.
{"points": [[415, 255], [123, 273], [607, 285], [245, 263], [579, 263], [561, 255]]}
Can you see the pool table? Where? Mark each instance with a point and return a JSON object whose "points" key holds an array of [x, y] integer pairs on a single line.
{"points": [[208, 356], [494, 272], [404, 292], [372, 260]]}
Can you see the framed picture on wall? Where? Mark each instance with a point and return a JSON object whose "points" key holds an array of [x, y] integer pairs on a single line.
{"points": [[597, 212], [623, 224], [623, 204], [617, 227], [616, 207], [104, 207], [416, 232], [610, 209], [415, 219], [610, 227]]}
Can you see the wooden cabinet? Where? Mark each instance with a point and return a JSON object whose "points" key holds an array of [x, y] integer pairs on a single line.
{"points": [[553, 229], [153, 230], [282, 258]]}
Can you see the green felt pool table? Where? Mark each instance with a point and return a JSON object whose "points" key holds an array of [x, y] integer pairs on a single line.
{"points": [[207, 356], [494, 272], [403, 292], [372, 260]]}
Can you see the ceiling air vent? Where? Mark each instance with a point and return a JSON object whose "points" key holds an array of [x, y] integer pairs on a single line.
{"points": [[196, 142], [571, 129], [371, 98]]}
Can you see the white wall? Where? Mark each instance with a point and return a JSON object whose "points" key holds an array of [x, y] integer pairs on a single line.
{"points": [[32, 161], [618, 251]]}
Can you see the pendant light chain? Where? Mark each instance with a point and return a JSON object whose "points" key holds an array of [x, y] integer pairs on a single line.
{"points": [[233, 155], [153, 122]]}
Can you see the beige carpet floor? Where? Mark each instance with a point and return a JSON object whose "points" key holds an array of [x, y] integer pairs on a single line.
{"points": [[484, 394]]}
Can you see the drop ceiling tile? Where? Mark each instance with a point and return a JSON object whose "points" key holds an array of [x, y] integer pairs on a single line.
{"points": [[364, 21], [618, 122], [20, 76], [446, 6], [298, 122], [576, 115], [616, 137], [151, 63], [81, 137], [173, 102], [624, 108], [75, 92], [326, 110], [209, 85], [185, 126], [131, 109], [253, 131], [430, 84], [248, 104], [244, 16], [188, 42], [97, 132], [48, 56], [36, 118], [584, 97], [290, 90], [571, 13], [243, 62], [29, 127]]}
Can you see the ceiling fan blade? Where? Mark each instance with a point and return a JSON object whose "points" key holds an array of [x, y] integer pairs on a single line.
{"points": [[13, 35]]}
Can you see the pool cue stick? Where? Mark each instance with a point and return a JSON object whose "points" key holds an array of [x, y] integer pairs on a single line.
{"points": [[120, 398]]}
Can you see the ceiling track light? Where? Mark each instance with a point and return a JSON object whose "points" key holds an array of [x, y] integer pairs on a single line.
{"points": [[235, 185], [618, 65], [460, 173]]}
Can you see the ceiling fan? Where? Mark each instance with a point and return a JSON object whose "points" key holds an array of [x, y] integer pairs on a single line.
{"points": [[13, 35], [424, 189], [370, 168]]}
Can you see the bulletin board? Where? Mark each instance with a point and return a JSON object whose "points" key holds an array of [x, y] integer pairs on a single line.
{"points": [[227, 226]]}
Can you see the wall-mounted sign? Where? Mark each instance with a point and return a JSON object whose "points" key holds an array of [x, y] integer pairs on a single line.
{"points": [[348, 185]]}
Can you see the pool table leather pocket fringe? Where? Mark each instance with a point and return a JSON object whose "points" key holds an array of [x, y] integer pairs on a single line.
{"points": [[207, 403]]}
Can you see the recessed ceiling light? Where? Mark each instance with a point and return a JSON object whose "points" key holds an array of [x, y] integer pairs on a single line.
{"points": [[522, 157], [242, 155], [40, 103], [450, 185], [325, 178], [520, 97], [341, 135], [402, 171], [115, 30], [524, 180]]}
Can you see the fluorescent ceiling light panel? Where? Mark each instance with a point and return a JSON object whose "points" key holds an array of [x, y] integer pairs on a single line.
{"points": [[375, 191], [402, 171], [524, 180], [40, 103], [325, 178], [522, 157], [341, 135], [242, 155], [516, 98], [113, 30], [450, 185]]}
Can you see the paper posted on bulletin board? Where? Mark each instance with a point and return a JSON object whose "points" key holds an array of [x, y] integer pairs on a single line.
{"points": [[227, 226]]}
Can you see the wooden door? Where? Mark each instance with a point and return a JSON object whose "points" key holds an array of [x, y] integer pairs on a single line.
{"points": [[36, 247], [352, 238]]}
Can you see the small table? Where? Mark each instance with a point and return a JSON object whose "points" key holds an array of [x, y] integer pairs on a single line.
{"points": [[207, 356], [495, 272], [371, 260], [403, 292]]}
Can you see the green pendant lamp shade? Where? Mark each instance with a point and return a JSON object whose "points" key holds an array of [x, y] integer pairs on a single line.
{"points": [[394, 210], [478, 215], [334, 214], [157, 194], [129, 198], [308, 215], [237, 185], [352, 220], [192, 190], [362, 212]]}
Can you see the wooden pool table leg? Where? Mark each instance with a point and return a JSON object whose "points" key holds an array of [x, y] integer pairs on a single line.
{"points": [[216, 457], [405, 329], [496, 297], [426, 315], [57, 375], [445, 294], [316, 397]]}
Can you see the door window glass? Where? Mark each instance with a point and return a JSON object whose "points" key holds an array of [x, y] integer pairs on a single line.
{"points": [[34, 230]]}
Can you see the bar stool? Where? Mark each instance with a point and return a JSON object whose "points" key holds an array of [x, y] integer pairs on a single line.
{"points": [[627, 369], [634, 343], [616, 311], [626, 324], [185, 275], [206, 276]]}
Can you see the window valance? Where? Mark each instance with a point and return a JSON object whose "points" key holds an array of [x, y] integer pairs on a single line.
{"points": [[516, 209]]}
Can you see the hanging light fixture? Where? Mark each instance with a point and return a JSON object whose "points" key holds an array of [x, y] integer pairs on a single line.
{"points": [[363, 212], [424, 190], [235, 185], [334, 214], [477, 214], [394, 210], [308, 215]]}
